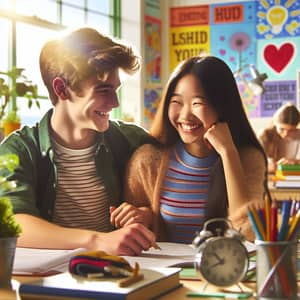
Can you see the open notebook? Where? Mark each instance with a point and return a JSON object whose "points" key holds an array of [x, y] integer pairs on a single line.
{"points": [[46, 261]]}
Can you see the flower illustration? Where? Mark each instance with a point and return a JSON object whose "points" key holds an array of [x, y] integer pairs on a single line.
{"points": [[239, 41]]}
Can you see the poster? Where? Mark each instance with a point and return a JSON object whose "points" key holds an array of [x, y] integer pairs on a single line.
{"points": [[277, 93], [153, 49], [189, 33], [151, 101], [260, 34], [251, 102], [278, 57], [278, 19], [152, 60], [233, 34]]}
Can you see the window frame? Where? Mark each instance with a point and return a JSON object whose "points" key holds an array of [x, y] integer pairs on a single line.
{"points": [[13, 17]]}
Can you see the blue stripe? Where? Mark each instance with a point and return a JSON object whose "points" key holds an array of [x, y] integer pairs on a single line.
{"points": [[176, 175], [178, 196], [195, 216], [185, 184], [181, 217]]}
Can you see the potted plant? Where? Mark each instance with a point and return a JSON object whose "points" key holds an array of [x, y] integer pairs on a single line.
{"points": [[10, 122], [9, 228], [20, 86]]}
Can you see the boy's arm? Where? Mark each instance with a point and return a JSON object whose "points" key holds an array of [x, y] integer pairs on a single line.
{"points": [[38, 233]]}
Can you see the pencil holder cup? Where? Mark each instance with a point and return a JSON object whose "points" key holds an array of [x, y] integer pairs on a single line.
{"points": [[276, 270]]}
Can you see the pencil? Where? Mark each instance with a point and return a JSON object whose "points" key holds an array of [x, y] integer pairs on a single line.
{"points": [[155, 246], [256, 224], [295, 221], [274, 230], [285, 215], [268, 219]]}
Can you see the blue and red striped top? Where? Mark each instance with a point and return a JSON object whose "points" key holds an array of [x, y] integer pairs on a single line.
{"points": [[184, 194]]}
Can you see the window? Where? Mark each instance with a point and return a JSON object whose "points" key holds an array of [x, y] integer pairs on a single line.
{"points": [[26, 25]]}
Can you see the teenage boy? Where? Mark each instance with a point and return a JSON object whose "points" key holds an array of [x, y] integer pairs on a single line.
{"points": [[72, 161]]}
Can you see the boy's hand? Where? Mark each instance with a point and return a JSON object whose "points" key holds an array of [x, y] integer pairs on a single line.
{"points": [[130, 240]]}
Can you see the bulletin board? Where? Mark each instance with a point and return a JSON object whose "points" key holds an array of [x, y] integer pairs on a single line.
{"points": [[262, 33]]}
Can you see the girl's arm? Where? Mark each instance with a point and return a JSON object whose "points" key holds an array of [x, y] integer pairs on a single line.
{"points": [[244, 169]]}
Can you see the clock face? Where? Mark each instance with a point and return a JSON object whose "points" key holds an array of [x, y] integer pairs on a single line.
{"points": [[222, 261]]}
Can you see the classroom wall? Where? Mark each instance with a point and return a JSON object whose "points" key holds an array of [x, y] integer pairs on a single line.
{"points": [[281, 82]]}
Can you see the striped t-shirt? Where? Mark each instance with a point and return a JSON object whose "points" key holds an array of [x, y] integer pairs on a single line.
{"points": [[81, 199], [184, 194]]}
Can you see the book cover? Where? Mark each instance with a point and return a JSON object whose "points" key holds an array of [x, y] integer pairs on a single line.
{"points": [[289, 177], [280, 174], [292, 184], [65, 286], [295, 167]]}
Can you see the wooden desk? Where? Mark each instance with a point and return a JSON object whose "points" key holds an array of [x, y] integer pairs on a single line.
{"points": [[197, 286], [177, 294], [284, 194]]}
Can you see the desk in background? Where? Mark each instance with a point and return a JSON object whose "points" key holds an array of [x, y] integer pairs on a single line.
{"points": [[284, 194]]}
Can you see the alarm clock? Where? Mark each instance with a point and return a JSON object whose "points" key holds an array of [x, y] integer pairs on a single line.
{"points": [[222, 259]]}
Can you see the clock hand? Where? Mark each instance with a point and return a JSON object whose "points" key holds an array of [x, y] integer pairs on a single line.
{"points": [[221, 262], [218, 257]]}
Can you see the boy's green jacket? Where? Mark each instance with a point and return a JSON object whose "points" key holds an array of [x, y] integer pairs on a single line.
{"points": [[37, 174]]}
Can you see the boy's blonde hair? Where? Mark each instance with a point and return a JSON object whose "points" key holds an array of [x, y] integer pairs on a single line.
{"points": [[81, 54]]}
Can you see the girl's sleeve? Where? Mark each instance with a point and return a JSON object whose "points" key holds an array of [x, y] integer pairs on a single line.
{"points": [[254, 166], [140, 175]]}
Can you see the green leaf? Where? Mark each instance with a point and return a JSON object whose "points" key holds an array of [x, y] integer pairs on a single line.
{"points": [[9, 161], [8, 225]]}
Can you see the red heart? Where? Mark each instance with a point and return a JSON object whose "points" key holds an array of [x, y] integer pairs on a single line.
{"points": [[278, 59]]}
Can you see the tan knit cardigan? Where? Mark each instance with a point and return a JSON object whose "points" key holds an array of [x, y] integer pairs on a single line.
{"points": [[270, 139], [146, 171]]}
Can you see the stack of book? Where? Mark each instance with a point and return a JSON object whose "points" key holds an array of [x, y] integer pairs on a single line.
{"points": [[287, 176]]}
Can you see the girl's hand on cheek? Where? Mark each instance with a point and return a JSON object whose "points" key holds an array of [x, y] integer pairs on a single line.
{"points": [[219, 137]]}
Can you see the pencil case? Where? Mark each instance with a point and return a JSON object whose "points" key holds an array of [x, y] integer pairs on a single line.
{"points": [[100, 264]]}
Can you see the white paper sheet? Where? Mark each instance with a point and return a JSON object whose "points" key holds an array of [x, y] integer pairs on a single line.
{"points": [[171, 254], [29, 261]]}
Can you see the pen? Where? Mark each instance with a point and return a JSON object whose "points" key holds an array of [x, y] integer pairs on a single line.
{"points": [[223, 295]]}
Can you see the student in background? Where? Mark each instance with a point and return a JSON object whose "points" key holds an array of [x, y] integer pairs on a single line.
{"points": [[281, 140], [209, 162], [72, 162]]}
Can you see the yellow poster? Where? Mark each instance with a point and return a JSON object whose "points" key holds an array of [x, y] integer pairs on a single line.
{"points": [[186, 42]]}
